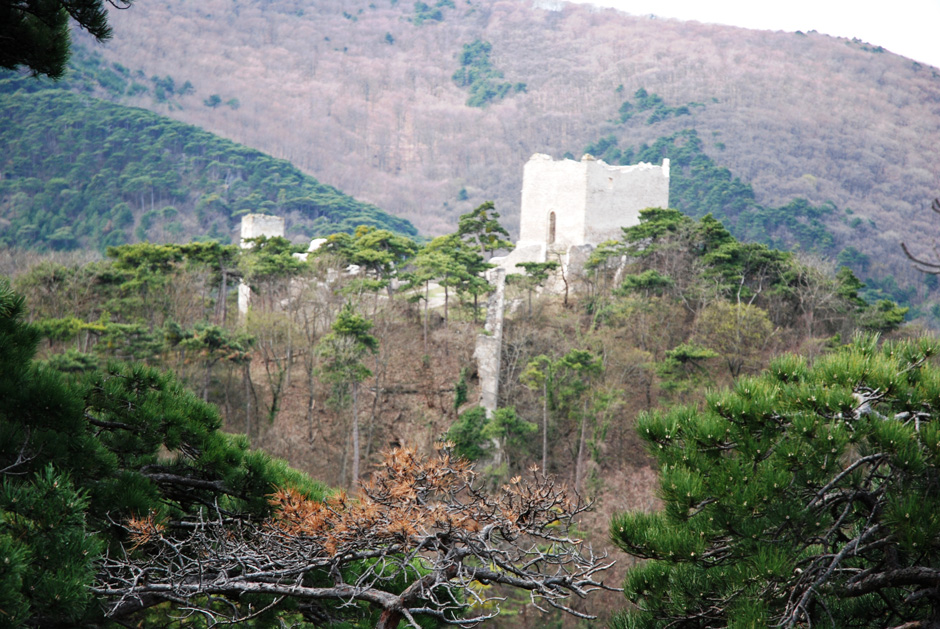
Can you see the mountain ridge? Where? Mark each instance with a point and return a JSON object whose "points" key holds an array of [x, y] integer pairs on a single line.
{"points": [[361, 95], [79, 172]]}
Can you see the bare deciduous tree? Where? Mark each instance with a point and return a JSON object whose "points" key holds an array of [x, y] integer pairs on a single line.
{"points": [[931, 267], [418, 541]]}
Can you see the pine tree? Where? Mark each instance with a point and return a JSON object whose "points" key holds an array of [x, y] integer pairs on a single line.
{"points": [[35, 33], [807, 496], [81, 454], [343, 350]]}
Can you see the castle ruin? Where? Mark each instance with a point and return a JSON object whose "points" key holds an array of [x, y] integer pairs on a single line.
{"points": [[255, 226], [569, 207]]}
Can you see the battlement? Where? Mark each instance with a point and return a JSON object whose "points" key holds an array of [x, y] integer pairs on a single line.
{"points": [[570, 203]]}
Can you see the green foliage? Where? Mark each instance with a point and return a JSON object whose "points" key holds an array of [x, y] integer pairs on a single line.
{"points": [[508, 429], [120, 307], [538, 272], [83, 452], [883, 316], [740, 272], [854, 259], [270, 259], [535, 275], [481, 226], [477, 73], [467, 434], [342, 351], [35, 33], [49, 551], [649, 282], [683, 368], [474, 436], [82, 173], [805, 496], [453, 263], [426, 13], [564, 379], [643, 101], [379, 252], [72, 361], [739, 332], [460, 390]]}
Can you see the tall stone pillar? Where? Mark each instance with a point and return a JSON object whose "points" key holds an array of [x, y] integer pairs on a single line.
{"points": [[490, 343]]}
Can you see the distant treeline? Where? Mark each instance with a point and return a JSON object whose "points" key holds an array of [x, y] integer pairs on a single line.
{"points": [[78, 172]]}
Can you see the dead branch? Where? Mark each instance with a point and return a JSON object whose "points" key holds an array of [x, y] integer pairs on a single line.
{"points": [[418, 521], [922, 265]]}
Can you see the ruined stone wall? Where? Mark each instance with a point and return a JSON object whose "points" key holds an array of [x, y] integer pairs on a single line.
{"points": [[591, 200], [616, 194], [253, 226], [549, 186]]}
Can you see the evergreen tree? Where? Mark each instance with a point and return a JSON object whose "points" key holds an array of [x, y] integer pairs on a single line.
{"points": [[482, 227], [35, 33], [342, 351], [453, 263], [565, 382], [81, 454], [535, 275], [807, 496]]}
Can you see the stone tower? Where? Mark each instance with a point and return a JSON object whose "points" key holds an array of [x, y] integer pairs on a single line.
{"points": [[568, 208], [253, 226], [568, 204]]}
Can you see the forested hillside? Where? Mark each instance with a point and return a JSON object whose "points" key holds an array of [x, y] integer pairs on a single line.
{"points": [[378, 98], [329, 369], [79, 172]]}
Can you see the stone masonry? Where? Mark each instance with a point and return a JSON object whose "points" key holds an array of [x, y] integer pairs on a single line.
{"points": [[253, 226], [568, 204], [568, 208]]}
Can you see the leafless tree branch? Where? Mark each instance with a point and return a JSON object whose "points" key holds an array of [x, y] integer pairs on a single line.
{"points": [[421, 522]]}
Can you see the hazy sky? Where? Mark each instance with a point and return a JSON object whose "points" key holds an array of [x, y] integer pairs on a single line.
{"points": [[910, 28]]}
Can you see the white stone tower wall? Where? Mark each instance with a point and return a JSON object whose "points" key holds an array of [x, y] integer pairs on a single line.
{"points": [[255, 225], [616, 194], [550, 186]]}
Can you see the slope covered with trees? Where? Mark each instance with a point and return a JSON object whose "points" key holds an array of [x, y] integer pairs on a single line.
{"points": [[362, 96], [82, 454], [327, 369], [85, 173]]}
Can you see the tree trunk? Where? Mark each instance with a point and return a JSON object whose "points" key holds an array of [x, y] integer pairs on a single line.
{"points": [[582, 446], [545, 427], [248, 403], [389, 619], [206, 381], [355, 435], [427, 292], [223, 296], [375, 406], [290, 344], [311, 395]]}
